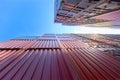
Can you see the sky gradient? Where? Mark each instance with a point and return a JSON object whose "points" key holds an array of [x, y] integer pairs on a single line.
{"points": [[35, 17]]}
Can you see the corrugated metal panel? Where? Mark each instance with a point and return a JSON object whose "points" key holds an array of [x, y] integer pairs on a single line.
{"points": [[58, 64], [46, 44], [36, 65], [26, 38], [72, 44], [56, 60], [15, 44], [94, 65]]}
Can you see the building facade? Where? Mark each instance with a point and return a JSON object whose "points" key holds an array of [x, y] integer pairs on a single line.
{"points": [[81, 12], [55, 57]]}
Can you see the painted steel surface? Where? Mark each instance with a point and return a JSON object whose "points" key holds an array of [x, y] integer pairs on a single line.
{"points": [[71, 60]]}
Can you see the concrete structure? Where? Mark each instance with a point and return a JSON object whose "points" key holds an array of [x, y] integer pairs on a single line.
{"points": [[55, 57], [81, 12]]}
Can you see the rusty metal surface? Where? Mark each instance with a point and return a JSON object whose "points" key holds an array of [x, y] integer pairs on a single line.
{"points": [[71, 61]]}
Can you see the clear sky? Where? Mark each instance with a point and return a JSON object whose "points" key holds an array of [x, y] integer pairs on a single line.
{"points": [[35, 17]]}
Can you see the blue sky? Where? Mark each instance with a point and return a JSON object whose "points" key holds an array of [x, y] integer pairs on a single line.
{"points": [[30, 17]]}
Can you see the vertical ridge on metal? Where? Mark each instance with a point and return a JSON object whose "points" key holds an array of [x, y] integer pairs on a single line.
{"points": [[55, 57]]}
